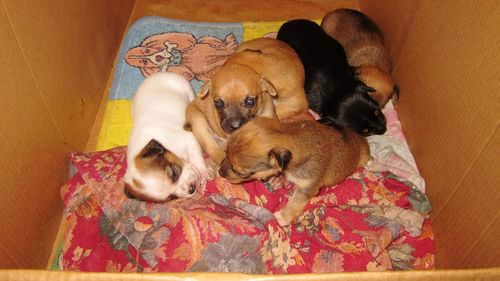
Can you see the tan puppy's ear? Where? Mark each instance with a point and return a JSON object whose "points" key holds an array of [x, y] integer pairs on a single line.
{"points": [[204, 89], [267, 86], [280, 156]]}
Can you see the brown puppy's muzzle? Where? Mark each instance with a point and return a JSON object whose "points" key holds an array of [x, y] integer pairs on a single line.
{"points": [[232, 124], [232, 119]]}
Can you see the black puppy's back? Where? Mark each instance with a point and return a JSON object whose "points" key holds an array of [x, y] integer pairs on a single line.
{"points": [[331, 86], [304, 36]]}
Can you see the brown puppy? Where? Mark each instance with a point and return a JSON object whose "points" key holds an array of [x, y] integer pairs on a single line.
{"points": [[263, 78], [311, 155], [363, 42]]}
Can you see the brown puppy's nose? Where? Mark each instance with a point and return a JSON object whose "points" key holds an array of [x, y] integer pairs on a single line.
{"points": [[224, 167], [222, 172], [235, 124]]}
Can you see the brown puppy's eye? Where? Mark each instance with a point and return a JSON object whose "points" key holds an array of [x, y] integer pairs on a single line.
{"points": [[365, 130], [250, 101], [219, 104], [236, 172], [242, 175]]}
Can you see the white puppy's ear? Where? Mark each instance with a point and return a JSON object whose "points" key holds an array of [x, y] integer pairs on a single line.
{"points": [[152, 149], [267, 87], [204, 89]]}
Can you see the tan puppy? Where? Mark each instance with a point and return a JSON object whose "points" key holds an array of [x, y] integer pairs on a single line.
{"points": [[311, 155], [363, 42], [263, 78]]}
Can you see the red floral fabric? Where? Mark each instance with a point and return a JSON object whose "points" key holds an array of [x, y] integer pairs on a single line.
{"points": [[370, 221]]}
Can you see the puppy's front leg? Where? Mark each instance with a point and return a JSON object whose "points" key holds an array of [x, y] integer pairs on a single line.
{"points": [[294, 206], [195, 156], [293, 105], [202, 132]]}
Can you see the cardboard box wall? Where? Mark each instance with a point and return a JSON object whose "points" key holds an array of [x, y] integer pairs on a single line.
{"points": [[55, 68]]}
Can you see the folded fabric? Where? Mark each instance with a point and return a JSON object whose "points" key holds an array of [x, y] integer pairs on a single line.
{"points": [[370, 221]]}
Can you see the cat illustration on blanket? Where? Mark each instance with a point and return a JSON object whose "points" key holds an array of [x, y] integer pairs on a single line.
{"points": [[181, 53]]}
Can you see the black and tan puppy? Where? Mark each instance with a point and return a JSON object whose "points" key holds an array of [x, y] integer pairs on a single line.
{"points": [[332, 89], [382, 83], [310, 155], [363, 42], [264, 77]]}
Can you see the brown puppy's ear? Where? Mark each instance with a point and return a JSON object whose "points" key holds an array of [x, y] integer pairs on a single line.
{"points": [[153, 148], [204, 89], [280, 156], [267, 87]]}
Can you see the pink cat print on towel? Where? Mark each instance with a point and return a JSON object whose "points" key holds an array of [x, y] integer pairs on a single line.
{"points": [[181, 53]]}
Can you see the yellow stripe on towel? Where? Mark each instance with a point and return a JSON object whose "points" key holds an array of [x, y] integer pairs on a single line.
{"points": [[116, 125], [252, 30]]}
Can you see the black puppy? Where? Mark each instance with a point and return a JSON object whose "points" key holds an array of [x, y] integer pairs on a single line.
{"points": [[332, 89]]}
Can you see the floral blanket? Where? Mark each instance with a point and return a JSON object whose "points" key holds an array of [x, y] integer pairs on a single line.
{"points": [[371, 221]]}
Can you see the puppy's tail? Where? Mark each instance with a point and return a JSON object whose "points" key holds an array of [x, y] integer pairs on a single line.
{"points": [[187, 127]]}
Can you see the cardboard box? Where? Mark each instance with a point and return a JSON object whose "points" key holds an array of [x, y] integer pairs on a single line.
{"points": [[56, 63]]}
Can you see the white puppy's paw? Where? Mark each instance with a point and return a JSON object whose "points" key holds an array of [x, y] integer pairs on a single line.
{"points": [[281, 219]]}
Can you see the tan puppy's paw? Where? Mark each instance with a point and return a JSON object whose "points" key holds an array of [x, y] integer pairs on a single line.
{"points": [[217, 156], [282, 218]]}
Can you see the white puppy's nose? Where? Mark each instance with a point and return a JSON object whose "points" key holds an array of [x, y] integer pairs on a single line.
{"points": [[128, 194]]}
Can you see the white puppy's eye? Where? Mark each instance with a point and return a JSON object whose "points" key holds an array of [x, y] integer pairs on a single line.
{"points": [[174, 171], [219, 104], [250, 101]]}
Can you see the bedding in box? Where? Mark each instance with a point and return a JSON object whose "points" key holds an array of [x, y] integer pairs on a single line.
{"points": [[374, 220]]}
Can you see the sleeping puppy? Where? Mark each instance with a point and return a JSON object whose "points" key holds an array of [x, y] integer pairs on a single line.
{"points": [[163, 160], [363, 42], [332, 89], [264, 77], [310, 155]]}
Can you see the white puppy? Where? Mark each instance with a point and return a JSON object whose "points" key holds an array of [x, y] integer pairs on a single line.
{"points": [[164, 161]]}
